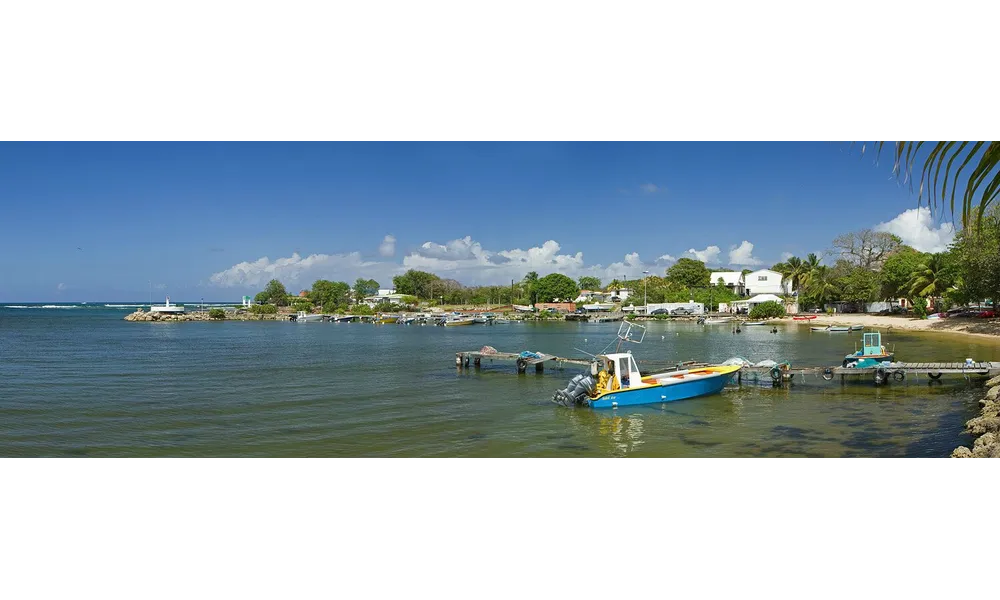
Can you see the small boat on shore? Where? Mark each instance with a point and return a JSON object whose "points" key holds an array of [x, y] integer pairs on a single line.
{"points": [[857, 327], [838, 329], [619, 382], [804, 318], [718, 320]]}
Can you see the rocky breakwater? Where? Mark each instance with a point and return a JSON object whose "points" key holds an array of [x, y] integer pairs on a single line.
{"points": [[986, 427], [141, 315]]}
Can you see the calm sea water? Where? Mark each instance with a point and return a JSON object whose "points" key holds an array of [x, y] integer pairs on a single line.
{"points": [[81, 381]]}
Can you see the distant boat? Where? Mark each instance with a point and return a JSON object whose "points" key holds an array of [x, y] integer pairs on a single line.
{"points": [[818, 328], [386, 319], [718, 320], [857, 327], [167, 308], [804, 318], [755, 323], [521, 308], [838, 329]]}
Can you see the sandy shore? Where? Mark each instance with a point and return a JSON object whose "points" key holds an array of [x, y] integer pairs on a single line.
{"points": [[974, 327]]}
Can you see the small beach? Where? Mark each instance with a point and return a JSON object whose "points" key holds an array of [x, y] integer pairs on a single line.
{"points": [[989, 328]]}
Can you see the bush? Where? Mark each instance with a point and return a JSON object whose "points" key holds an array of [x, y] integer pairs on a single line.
{"points": [[920, 307], [216, 313], [303, 306], [767, 310], [361, 309], [264, 309]]}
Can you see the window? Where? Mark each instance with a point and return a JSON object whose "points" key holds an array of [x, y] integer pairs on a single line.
{"points": [[762, 278]]}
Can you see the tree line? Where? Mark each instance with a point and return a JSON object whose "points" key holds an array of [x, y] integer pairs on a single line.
{"points": [[869, 266]]}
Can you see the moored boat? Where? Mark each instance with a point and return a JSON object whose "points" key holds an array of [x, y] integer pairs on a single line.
{"points": [[754, 323], [804, 318], [717, 320], [838, 329], [619, 383], [818, 328], [304, 317], [455, 321], [386, 319], [871, 354]]}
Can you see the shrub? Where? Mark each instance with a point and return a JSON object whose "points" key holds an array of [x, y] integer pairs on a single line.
{"points": [[264, 309], [303, 306], [361, 309], [216, 313], [767, 310], [920, 307]]}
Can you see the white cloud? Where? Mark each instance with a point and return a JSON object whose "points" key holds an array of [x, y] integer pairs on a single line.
{"points": [[463, 259], [388, 246], [916, 228], [649, 188], [742, 254], [294, 268], [710, 255], [61, 287], [785, 256]]}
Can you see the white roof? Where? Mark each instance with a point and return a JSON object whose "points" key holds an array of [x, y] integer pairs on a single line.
{"points": [[728, 277], [761, 298], [768, 271]]}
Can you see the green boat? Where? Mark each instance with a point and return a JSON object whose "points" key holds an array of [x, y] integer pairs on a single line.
{"points": [[871, 354]]}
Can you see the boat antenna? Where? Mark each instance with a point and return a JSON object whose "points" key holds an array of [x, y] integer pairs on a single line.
{"points": [[625, 334]]}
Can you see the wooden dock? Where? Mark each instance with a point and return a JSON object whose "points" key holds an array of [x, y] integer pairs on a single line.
{"points": [[879, 374], [477, 358]]}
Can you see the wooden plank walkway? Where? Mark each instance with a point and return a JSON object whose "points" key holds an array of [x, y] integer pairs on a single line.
{"points": [[976, 368], [476, 358]]}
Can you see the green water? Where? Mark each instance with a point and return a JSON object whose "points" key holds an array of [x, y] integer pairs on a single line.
{"points": [[82, 382]]}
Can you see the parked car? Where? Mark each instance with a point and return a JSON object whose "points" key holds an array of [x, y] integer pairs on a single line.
{"points": [[683, 311], [986, 314], [660, 311]]}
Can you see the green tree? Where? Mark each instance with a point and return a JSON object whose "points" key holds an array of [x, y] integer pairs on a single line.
{"points": [[859, 285], [415, 283], [555, 286], [794, 270], [767, 310], [216, 313], [897, 271], [261, 297], [689, 272], [275, 293], [529, 282], [589, 283], [329, 293], [983, 158], [364, 288], [977, 257]]}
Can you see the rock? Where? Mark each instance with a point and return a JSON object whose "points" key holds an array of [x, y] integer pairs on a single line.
{"points": [[987, 446], [983, 425], [993, 393], [961, 452], [993, 382]]}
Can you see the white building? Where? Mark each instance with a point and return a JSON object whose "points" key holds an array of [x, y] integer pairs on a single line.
{"points": [[730, 279], [765, 281], [384, 296]]}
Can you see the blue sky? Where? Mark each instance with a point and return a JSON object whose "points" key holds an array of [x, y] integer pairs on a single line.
{"points": [[100, 221]]}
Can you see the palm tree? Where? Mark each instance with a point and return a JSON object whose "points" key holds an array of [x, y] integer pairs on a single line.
{"points": [[930, 279], [985, 174], [821, 284], [809, 266]]}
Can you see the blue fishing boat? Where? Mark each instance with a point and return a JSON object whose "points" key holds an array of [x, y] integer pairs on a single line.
{"points": [[614, 380], [872, 353]]}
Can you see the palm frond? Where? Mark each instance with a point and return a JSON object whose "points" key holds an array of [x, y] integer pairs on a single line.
{"points": [[979, 189]]}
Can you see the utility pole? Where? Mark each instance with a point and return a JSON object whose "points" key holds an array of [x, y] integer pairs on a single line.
{"points": [[645, 302]]}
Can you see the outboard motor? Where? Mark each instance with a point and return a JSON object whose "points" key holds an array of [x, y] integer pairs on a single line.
{"points": [[577, 392]]}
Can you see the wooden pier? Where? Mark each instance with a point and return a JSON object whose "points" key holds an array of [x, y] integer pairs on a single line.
{"points": [[476, 358], [879, 374]]}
